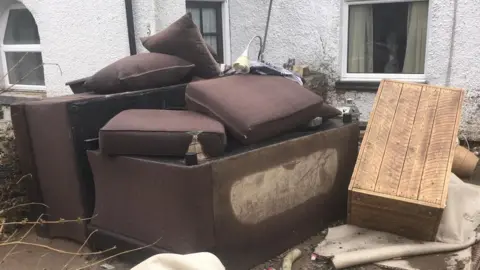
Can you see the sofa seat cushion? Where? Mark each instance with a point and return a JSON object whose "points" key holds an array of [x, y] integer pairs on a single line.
{"points": [[139, 72], [184, 39], [160, 133], [254, 107]]}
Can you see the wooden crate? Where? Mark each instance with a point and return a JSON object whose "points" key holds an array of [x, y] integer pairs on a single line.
{"points": [[400, 181]]}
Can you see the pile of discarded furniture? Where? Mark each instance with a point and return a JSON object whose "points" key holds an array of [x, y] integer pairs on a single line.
{"points": [[162, 149]]}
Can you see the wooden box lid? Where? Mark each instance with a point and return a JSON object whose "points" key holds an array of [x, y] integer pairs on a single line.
{"points": [[409, 143]]}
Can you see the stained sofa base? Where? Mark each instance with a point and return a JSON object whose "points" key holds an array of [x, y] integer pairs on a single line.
{"points": [[246, 208]]}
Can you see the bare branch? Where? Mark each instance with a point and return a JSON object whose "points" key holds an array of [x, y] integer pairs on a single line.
{"points": [[21, 79], [41, 221], [80, 249], [17, 206], [17, 242], [23, 177], [14, 66]]}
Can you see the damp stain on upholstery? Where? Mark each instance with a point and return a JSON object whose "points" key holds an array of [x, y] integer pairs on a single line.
{"points": [[265, 194]]}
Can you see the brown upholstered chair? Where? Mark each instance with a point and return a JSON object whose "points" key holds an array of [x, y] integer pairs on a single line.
{"points": [[51, 135]]}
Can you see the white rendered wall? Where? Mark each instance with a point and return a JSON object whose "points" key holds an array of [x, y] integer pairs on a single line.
{"points": [[310, 32], [83, 36]]}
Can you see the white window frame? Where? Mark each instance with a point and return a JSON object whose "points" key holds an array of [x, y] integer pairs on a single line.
{"points": [[372, 77], [227, 54], [15, 48]]}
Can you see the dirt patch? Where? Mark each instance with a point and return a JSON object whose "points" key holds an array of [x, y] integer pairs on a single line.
{"points": [[34, 257]]}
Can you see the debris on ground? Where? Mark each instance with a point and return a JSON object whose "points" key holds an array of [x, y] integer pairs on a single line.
{"points": [[290, 258]]}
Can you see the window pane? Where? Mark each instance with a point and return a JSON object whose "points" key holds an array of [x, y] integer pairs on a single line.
{"points": [[21, 28], [195, 15], [209, 20], [387, 38], [212, 41], [27, 72]]}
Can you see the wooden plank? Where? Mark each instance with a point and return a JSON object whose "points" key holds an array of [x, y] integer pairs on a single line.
{"points": [[398, 141], [366, 174], [438, 164], [353, 181], [418, 145]]}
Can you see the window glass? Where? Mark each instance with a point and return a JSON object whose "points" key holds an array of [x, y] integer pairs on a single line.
{"points": [[387, 38], [21, 28], [212, 41], [195, 15], [209, 16], [25, 68]]}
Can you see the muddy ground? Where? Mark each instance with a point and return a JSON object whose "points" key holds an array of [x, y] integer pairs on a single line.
{"points": [[35, 257]]}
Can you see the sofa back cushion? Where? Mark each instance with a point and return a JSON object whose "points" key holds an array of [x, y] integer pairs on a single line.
{"points": [[183, 39], [139, 72]]}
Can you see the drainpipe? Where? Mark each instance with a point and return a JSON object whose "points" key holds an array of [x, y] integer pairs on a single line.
{"points": [[452, 44], [130, 27]]}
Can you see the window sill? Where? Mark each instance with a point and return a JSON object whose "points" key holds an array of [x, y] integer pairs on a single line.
{"points": [[357, 86], [9, 100], [360, 86]]}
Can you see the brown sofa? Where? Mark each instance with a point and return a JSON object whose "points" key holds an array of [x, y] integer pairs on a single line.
{"points": [[246, 207], [51, 138]]}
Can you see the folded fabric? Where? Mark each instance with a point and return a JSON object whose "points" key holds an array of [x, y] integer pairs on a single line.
{"points": [[138, 72], [168, 261]]}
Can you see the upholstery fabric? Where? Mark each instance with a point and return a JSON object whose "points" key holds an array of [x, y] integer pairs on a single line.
{"points": [[254, 107], [139, 72], [160, 133], [183, 39]]}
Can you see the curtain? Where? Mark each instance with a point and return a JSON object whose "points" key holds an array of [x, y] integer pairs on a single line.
{"points": [[416, 38], [208, 20], [360, 39]]}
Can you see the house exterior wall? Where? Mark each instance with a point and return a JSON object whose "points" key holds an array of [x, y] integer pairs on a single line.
{"points": [[310, 31], [85, 36]]}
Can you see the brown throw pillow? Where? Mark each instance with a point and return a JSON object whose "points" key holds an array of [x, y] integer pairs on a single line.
{"points": [[254, 107], [137, 72], [183, 39], [160, 133]]}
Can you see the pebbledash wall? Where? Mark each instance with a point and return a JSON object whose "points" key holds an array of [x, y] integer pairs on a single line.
{"points": [[311, 32], [84, 36]]}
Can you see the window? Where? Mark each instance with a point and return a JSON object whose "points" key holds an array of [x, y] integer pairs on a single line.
{"points": [[208, 17], [20, 50], [384, 39]]}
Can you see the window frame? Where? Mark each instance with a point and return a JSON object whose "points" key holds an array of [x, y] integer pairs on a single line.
{"points": [[223, 24], [373, 77], [15, 48]]}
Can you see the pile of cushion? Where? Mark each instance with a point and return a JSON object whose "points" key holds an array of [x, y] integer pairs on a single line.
{"points": [[175, 55], [251, 108]]}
